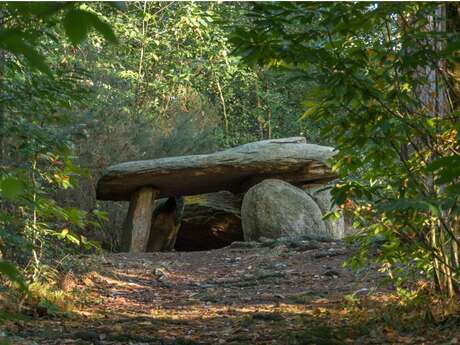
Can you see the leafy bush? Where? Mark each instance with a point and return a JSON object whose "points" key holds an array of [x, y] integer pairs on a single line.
{"points": [[35, 155], [382, 86]]}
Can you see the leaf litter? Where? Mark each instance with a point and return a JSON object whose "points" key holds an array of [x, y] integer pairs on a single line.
{"points": [[241, 294]]}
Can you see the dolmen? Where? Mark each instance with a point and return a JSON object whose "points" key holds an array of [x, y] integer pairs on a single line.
{"points": [[273, 180]]}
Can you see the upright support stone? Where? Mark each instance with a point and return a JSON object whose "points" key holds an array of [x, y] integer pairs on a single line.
{"points": [[136, 229]]}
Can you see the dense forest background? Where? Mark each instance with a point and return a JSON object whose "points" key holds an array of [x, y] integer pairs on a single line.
{"points": [[87, 85], [168, 86]]}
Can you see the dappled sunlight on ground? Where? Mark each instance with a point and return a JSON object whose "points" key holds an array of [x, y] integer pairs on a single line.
{"points": [[232, 296]]}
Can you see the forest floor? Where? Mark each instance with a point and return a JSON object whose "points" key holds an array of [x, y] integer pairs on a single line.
{"points": [[235, 295]]}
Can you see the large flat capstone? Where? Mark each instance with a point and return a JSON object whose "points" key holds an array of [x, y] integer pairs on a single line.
{"points": [[236, 170]]}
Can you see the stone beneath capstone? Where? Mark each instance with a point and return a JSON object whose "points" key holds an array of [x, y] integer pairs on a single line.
{"points": [[165, 223], [275, 208], [235, 170], [210, 221], [323, 198]]}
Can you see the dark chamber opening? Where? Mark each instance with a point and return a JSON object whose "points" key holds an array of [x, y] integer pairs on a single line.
{"points": [[205, 233]]}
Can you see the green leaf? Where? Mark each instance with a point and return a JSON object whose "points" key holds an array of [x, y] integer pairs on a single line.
{"points": [[12, 273], [12, 188], [101, 215], [72, 238], [452, 47], [42, 9], [77, 24], [76, 216], [441, 163], [103, 28], [50, 307], [14, 42], [309, 112], [332, 215], [64, 233]]}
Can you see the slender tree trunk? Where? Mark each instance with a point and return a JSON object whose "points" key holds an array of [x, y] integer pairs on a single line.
{"points": [[224, 111], [452, 76], [435, 101], [259, 105], [269, 115], [2, 117], [2, 96], [140, 78], [144, 28]]}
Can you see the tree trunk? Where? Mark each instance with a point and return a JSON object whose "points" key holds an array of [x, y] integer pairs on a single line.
{"points": [[435, 102], [224, 111], [2, 109]]}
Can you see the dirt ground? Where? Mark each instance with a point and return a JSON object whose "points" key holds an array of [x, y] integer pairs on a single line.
{"points": [[276, 294]]}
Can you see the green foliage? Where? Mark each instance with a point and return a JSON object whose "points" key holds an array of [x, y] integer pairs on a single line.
{"points": [[15, 42], [20, 38], [36, 159], [176, 58], [78, 23], [11, 187], [12, 273], [380, 87]]}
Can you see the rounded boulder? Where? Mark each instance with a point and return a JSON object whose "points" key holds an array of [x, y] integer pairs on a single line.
{"points": [[274, 208]]}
